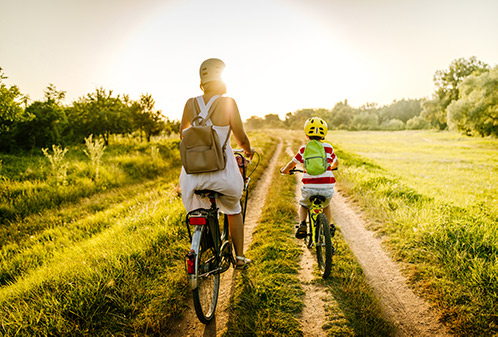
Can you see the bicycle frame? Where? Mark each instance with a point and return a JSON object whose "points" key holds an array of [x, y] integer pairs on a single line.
{"points": [[209, 219], [316, 207], [321, 239], [211, 251]]}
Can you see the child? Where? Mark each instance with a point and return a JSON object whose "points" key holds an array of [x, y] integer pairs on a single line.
{"points": [[322, 184]]}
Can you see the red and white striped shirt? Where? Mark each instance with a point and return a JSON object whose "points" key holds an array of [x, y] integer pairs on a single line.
{"points": [[324, 180]]}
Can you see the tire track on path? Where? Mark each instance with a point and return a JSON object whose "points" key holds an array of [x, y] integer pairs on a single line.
{"points": [[410, 314], [189, 325]]}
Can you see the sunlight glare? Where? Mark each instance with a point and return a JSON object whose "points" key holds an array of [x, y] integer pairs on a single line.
{"points": [[278, 66]]}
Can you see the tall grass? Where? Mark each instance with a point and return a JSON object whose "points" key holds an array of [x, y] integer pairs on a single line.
{"points": [[117, 282], [107, 262], [57, 164], [31, 243], [95, 150], [26, 192], [449, 247]]}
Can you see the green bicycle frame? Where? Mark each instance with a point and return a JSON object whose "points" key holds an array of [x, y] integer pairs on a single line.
{"points": [[314, 210]]}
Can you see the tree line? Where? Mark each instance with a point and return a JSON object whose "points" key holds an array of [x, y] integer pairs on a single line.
{"points": [[39, 124], [465, 99]]}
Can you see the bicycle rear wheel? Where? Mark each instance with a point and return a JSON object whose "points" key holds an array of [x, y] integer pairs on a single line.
{"points": [[324, 247], [207, 274]]}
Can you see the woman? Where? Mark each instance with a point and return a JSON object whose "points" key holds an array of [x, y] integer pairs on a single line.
{"points": [[229, 182]]}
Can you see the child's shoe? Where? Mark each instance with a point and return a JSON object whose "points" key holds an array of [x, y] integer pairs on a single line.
{"points": [[301, 231]]}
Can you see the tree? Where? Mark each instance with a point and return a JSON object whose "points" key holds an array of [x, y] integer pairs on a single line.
{"points": [[401, 110], [393, 125], [341, 116], [365, 121], [434, 114], [149, 121], [254, 123], [273, 121], [10, 104], [447, 82], [297, 119], [417, 123], [11, 112], [477, 109], [48, 124], [100, 113]]}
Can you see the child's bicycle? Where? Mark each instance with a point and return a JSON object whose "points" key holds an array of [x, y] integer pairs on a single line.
{"points": [[319, 235], [211, 250]]}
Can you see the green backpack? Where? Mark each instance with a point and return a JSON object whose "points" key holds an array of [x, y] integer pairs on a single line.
{"points": [[315, 158]]}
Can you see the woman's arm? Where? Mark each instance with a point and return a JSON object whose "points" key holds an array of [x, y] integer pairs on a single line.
{"points": [[237, 127], [185, 123]]}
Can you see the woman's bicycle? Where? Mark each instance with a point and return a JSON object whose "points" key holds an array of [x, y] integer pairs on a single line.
{"points": [[211, 252], [319, 233]]}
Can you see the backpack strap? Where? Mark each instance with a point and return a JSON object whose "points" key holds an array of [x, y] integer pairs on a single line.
{"points": [[205, 106], [212, 104]]}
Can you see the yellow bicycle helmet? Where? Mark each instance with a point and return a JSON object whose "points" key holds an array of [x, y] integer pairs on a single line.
{"points": [[315, 126], [211, 70]]}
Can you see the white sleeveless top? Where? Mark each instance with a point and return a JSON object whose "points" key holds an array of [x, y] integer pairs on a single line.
{"points": [[228, 181]]}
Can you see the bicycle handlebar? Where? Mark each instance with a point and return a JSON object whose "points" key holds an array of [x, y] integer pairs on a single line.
{"points": [[247, 161], [296, 170]]}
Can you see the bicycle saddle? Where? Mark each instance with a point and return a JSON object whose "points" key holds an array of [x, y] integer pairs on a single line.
{"points": [[318, 198], [208, 193]]}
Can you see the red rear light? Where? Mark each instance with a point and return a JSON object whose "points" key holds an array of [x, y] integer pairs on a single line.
{"points": [[191, 262], [197, 221], [190, 266]]}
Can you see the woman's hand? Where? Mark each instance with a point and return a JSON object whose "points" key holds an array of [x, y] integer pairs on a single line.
{"points": [[249, 154]]}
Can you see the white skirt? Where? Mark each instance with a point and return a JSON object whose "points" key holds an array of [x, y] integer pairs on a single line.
{"points": [[229, 182]]}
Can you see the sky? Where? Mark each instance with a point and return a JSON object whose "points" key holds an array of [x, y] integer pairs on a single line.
{"points": [[281, 55]]}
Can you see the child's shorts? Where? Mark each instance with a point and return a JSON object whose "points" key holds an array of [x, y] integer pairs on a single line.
{"points": [[307, 192]]}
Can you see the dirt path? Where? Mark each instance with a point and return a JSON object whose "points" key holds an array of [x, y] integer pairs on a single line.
{"points": [[190, 325], [409, 313], [313, 315]]}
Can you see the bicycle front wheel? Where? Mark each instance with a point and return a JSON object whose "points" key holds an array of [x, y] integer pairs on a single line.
{"points": [[324, 248], [207, 274]]}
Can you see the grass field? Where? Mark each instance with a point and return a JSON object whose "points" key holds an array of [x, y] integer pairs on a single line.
{"points": [[446, 166], [95, 255], [433, 194], [82, 252]]}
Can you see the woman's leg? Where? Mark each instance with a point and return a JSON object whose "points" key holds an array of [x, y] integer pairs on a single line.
{"points": [[237, 233]]}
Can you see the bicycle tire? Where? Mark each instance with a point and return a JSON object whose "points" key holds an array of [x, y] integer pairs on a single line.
{"points": [[308, 240], [205, 295], [324, 247]]}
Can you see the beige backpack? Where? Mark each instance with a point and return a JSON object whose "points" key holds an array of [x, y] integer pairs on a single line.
{"points": [[200, 148]]}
